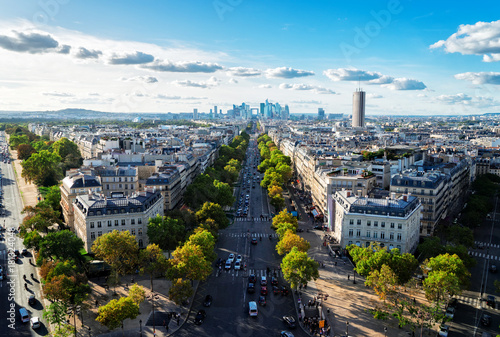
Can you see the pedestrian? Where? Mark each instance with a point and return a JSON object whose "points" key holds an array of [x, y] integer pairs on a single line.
{"points": [[164, 323], [344, 263], [335, 263], [178, 320], [348, 277], [96, 303]]}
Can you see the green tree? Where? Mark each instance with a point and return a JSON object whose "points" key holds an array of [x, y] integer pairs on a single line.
{"points": [[166, 232], [224, 193], [136, 293], [285, 171], [16, 140], [274, 190], [180, 291], [206, 241], [188, 261], [213, 211], [53, 198], [283, 217], [24, 151], [290, 240], [285, 227], [62, 245], [115, 312], [278, 202], [430, 247], [152, 261], [460, 235], [383, 281], [42, 168], [451, 265], [55, 313], [440, 286], [32, 240], [69, 152], [298, 268]]}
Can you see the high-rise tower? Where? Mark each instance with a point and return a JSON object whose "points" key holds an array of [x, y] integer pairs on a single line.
{"points": [[358, 108]]}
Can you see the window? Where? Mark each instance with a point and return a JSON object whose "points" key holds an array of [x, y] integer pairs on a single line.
{"points": [[122, 210], [99, 234], [115, 211], [132, 231], [351, 221], [399, 236], [109, 223], [382, 235], [358, 221], [131, 186], [99, 224], [367, 234], [139, 221], [382, 224], [132, 221], [92, 224], [350, 243], [400, 226], [358, 232], [350, 233], [139, 231], [116, 222], [119, 185], [391, 236], [368, 223], [92, 235], [107, 186], [392, 224], [140, 243], [375, 223], [375, 235], [123, 222], [108, 212]]}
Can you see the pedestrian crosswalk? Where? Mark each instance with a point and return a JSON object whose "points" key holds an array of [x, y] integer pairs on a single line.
{"points": [[486, 244], [474, 302], [250, 235], [484, 255], [263, 272], [255, 219], [245, 273]]}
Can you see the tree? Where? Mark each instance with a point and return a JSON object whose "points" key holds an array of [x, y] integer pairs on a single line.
{"points": [[274, 190], [440, 286], [278, 202], [42, 168], [180, 291], [62, 245], [224, 193], [53, 198], [115, 312], [67, 289], [55, 313], [206, 241], [285, 171], [32, 240], [430, 247], [189, 262], [119, 250], [166, 232], [460, 235], [211, 226], [383, 281], [213, 211], [450, 264], [152, 261], [285, 227], [16, 140], [39, 218], [24, 151], [298, 268], [284, 216], [136, 293], [69, 153], [290, 240]]}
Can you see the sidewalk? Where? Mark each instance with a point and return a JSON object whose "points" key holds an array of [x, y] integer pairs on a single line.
{"points": [[346, 300]]}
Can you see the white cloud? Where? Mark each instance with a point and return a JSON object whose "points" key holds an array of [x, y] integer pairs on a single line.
{"points": [[344, 74], [405, 84], [84, 53], [287, 72], [145, 79], [33, 43], [58, 94], [233, 81], [481, 38], [244, 72], [212, 82], [374, 96], [183, 67], [64, 49], [177, 97], [307, 102], [302, 86], [384, 79], [454, 99], [265, 86], [480, 78], [134, 58]]}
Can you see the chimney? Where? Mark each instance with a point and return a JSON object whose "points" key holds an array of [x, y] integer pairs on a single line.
{"points": [[348, 194], [393, 195], [405, 197]]}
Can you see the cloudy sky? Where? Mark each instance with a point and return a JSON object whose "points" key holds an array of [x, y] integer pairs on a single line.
{"points": [[411, 57]]}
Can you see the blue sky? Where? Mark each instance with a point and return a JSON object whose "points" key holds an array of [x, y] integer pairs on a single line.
{"points": [[161, 56]]}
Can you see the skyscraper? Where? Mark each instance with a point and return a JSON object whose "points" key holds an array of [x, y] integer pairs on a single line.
{"points": [[195, 113], [358, 109], [321, 114], [215, 111]]}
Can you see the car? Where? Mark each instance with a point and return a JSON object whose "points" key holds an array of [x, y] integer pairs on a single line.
{"points": [[237, 265], [262, 300], [252, 278], [25, 316], [24, 251], [251, 288], [1, 276], [228, 265], [230, 258], [276, 290], [274, 281], [491, 301], [286, 334], [486, 320], [252, 309], [35, 322], [450, 312], [284, 291], [208, 301], [254, 241], [263, 281], [263, 290], [31, 299], [443, 330], [493, 268], [238, 258], [200, 317], [290, 321]]}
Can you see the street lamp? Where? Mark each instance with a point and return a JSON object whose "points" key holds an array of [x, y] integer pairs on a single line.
{"points": [[89, 332], [140, 327], [347, 328], [385, 331]]}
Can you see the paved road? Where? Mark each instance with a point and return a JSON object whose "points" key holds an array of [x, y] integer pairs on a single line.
{"points": [[228, 315], [12, 292]]}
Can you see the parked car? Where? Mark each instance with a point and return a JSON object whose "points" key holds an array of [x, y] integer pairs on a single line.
{"points": [[443, 330], [31, 299], [208, 301], [450, 312], [35, 322]]}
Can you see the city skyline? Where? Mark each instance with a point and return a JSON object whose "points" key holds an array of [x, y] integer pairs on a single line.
{"points": [[176, 57]]}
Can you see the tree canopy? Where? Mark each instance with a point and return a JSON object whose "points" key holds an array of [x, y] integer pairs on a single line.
{"points": [[298, 268]]}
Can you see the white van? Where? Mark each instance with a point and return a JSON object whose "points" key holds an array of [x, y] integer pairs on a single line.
{"points": [[252, 308], [25, 316]]}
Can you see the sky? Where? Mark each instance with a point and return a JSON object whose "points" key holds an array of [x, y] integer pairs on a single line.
{"points": [[410, 57]]}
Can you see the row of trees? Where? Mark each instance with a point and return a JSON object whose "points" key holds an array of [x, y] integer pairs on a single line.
{"points": [[481, 202], [215, 185], [276, 168], [389, 274]]}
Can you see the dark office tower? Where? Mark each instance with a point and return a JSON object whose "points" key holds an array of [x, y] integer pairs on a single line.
{"points": [[262, 106], [321, 114], [215, 111], [358, 109]]}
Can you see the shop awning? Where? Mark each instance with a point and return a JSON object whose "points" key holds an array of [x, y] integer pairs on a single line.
{"points": [[315, 212]]}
